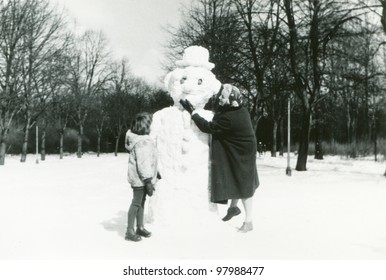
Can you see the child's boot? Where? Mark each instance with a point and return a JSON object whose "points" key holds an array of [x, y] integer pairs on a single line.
{"points": [[143, 232], [140, 228], [132, 236]]}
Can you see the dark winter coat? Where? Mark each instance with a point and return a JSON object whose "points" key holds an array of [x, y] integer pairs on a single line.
{"points": [[233, 154]]}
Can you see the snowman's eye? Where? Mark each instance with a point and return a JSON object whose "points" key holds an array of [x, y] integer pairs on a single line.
{"points": [[199, 82], [183, 79]]}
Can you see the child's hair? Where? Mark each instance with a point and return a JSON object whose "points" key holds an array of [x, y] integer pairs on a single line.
{"points": [[141, 123]]}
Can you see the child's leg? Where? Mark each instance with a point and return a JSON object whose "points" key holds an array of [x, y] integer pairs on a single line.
{"points": [[132, 214], [140, 214], [141, 211]]}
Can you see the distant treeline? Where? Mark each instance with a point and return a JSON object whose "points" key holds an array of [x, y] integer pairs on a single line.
{"points": [[65, 83], [328, 58], [323, 59]]}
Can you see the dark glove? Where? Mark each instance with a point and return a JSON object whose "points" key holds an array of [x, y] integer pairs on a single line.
{"points": [[159, 176], [187, 105], [149, 188]]}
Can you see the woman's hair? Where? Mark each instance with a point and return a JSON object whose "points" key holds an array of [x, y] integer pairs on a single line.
{"points": [[141, 123], [232, 93]]}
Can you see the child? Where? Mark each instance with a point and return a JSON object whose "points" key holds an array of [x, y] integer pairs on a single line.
{"points": [[142, 172]]}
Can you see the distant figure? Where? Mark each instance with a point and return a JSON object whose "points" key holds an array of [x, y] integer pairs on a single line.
{"points": [[260, 148]]}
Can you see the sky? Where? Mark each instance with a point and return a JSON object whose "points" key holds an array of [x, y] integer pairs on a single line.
{"points": [[134, 28]]}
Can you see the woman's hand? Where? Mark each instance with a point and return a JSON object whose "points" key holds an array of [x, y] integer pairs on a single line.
{"points": [[187, 105]]}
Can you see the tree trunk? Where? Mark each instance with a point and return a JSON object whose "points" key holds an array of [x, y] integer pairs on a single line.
{"points": [[24, 148], [61, 145], [116, 145], [43, 144], [348, 124], [300, 87], [354, 138], [80, 136], [318, 150], [354, 152], [281, 127], [301, 164], [274, 139], [3, 147], [318, 141], [383, 17], [366, 103], [99, 145], [99, 129], [375, 139]]}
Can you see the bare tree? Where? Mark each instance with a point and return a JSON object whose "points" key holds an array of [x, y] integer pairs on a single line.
{"points": [[87, 76], [212, 24], [343, 84], [99, 116], [42, 40], [265, 51], [60, 110], [312, 25], [100, 103], [121, 103], [261, 25], [354, 78], [49, 86], [383, 20], [383, 17], [13, 15]]}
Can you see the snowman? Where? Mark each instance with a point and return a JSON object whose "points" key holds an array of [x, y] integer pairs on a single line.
{"points": [[183, 150]]}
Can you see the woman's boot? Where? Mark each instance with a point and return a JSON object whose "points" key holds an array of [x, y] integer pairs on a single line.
{"points": [[232, 211], [247, 226]]}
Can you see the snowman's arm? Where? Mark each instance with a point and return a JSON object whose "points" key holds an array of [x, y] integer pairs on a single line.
{"points": [[220, 125], [156, 125], [155, 132]]}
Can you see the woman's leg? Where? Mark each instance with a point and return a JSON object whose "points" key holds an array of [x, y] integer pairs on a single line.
{"points": [[234, 203], [248, 207]]}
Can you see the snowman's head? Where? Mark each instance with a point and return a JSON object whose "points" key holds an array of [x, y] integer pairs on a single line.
{"points": [[192, 79]]}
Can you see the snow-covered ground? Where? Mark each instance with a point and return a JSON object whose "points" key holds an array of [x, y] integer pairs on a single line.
{"points": [[77, 209]]}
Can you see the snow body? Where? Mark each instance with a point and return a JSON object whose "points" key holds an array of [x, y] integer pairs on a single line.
{"points": [[183, 159], [183, 150]]}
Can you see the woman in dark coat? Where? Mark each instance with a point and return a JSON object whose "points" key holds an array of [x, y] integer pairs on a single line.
{"points": [[233, 153]]}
